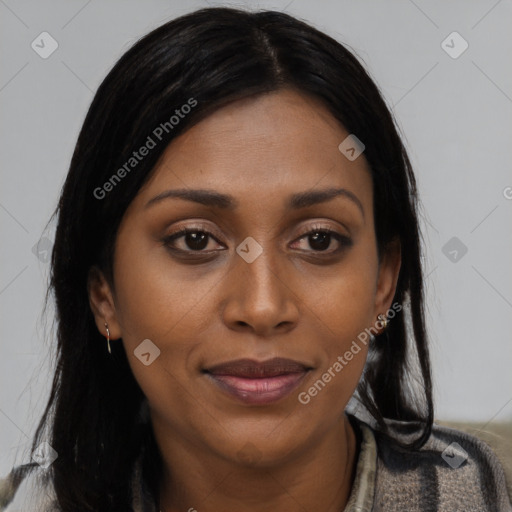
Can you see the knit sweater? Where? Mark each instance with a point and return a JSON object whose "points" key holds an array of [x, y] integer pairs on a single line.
{"points": [[453, 472]]}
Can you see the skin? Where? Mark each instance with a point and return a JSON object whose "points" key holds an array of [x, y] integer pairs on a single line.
{"points": [[293, 301]]}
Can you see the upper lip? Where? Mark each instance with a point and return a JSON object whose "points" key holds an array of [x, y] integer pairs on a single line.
{"points": [[250, 368]]}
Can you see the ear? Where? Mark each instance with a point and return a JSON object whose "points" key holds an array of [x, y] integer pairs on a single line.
{"points": [[389, 270], [102, 303]]}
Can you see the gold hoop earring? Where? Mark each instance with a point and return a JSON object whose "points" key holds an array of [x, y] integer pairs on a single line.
{"points": [[108, 338], [383, 320]]}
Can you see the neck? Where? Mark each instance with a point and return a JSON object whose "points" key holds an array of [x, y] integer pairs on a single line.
{"points": [[318, 477]]}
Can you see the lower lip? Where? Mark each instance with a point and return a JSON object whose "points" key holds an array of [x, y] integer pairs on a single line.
{"points": [[258, 391]]}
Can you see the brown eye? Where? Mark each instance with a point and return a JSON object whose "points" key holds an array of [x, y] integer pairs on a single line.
{"points": [[321, 239], [194, 240]]}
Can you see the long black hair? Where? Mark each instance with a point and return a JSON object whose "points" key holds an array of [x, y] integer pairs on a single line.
{"points": [[96, 412]]}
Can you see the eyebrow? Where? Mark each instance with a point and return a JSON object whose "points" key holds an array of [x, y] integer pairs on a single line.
{"points": [[216, 199]]}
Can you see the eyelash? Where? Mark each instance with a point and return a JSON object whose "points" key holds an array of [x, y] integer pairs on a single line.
{"points": [[343, 240]]}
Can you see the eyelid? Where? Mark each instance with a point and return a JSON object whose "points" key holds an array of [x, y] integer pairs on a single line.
{"points": [[198, 226], [317, 226]]}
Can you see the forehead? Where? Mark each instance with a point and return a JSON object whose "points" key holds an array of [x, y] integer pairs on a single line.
{"points": [[273, 144]]}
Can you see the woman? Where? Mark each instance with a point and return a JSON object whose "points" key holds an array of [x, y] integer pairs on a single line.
{"points": [[238, 282]]}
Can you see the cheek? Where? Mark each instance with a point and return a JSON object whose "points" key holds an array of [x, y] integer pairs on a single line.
{"points": [[343, 302], [346, 312], [343, 295], [154, 302], [157, 299], [153, 292]]}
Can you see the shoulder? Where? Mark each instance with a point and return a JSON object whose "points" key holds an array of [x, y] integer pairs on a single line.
{"points": [[453, 471], [27, 487]]}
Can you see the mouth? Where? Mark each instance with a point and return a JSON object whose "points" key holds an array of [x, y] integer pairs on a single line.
{"points": [[258, 383]]}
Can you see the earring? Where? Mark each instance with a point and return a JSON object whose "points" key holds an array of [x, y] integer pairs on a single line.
{"points": [[108, 338], [383, 320]]}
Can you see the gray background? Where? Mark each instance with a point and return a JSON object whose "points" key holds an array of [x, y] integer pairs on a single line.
{"points": [[455, 114]]}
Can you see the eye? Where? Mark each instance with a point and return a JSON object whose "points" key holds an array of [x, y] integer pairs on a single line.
{"points": [[320, 239], [195, 239]]}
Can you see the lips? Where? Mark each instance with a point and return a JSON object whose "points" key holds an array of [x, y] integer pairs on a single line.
{"points": [[249, 368], [256, 382]]}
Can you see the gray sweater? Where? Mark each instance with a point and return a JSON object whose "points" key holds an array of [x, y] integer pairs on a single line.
{"points": [[453, 472]]}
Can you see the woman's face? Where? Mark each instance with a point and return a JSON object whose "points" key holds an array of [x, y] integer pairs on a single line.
{"points": [[260, 285]]}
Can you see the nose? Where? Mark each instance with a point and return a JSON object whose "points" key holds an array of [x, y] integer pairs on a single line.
{"points": [[259, 296]]}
